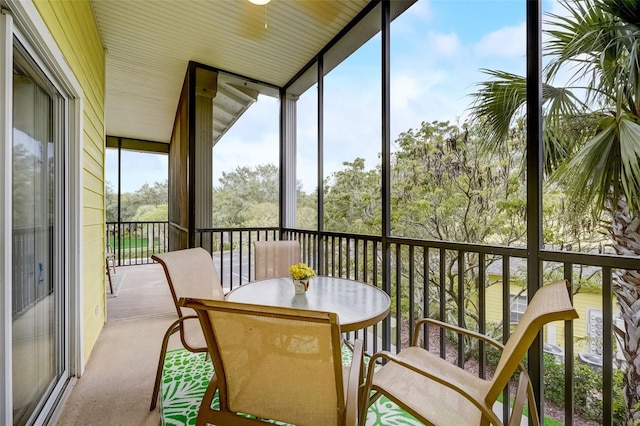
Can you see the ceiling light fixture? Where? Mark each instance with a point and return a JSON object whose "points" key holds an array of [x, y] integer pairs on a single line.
{"points": [[262, 3]]}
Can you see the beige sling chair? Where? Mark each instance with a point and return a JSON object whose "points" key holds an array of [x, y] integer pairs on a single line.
{"points": [[273, 258], [438, 392], [277, 363], [190, 273]]}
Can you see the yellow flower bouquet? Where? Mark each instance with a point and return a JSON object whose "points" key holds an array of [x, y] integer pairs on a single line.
{"points": [[301, 271]]}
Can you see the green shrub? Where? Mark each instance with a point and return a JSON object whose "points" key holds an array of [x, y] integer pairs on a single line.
{"points": [[587, 386], [587, 390], [619, 405], [493, 356], [553, 380]]}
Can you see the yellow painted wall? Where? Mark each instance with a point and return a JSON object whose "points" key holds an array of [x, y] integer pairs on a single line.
{"points": [[72, 24], [582, 302]]}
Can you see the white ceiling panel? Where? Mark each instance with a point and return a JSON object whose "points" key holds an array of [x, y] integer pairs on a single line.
{"points": [[149, 44]]}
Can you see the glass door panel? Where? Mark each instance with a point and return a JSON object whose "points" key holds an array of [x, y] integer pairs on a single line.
{"points": [[37, 289]]}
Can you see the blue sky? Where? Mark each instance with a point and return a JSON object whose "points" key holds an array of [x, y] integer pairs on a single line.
{"points": [[438, 48]]}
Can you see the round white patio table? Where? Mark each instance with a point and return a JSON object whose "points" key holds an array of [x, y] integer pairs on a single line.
{"points": [[358, 305]]}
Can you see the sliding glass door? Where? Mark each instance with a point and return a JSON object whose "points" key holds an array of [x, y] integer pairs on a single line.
{"points": [[39, 298]]}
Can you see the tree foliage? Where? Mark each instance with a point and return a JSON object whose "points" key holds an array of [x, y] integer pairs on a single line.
{"points": [[147, 203], [249, 197], [445, 187], [241, 190], [352, 200]]}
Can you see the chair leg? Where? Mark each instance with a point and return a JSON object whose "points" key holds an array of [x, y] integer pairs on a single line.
{"points": [[175, 326], [367, 395], [205, 411], [109, 276], [365, 402]]}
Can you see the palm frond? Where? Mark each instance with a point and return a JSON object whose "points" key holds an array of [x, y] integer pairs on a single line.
{"points": [[607, 165], [560, 104], [496, 103], [626, 10], [598, 41], [629, 131], [588, 175], [500, 102], [575, 37]]}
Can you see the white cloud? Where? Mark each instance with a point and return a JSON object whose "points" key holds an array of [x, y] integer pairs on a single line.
{"points": [[235, 152], [556, 8], [414, 97], [137, 169], [404, 89], [445, 44], [505, 42], [421, 10], [253, 140]]}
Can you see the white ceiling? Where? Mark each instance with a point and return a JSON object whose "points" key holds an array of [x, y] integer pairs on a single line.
{"points": [[149, 44]]}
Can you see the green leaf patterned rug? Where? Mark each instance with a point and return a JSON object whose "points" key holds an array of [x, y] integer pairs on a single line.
{"points": [[186, 375]]}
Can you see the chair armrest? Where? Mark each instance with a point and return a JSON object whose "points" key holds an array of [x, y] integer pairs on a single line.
{"points": [[461, 388], [175, 326], [461, 330], [355, 378], [455, 328], [524, 384]]}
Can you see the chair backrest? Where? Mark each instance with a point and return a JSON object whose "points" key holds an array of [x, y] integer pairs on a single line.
{"points": [[276, 363], [273, 258], [549, 303], [190, 273]]}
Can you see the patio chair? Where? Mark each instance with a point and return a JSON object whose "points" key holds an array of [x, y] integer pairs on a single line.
{"points": [[277, 363], [190, 273], [273, 258], [438, 392]]}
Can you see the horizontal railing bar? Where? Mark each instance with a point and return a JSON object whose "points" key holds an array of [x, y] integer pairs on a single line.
{"points": [[112, 225], [590, 259], [254, 229]]}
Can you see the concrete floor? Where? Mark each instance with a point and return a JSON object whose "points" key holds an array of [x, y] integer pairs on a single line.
{"points": [[116, 386]]}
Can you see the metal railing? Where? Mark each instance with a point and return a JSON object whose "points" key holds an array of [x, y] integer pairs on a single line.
{"points": [[133, 243], [459, 283], [31, 269], [232, 251]]}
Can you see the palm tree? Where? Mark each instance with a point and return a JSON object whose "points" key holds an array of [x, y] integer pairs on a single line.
{"points": [[597, 42]]}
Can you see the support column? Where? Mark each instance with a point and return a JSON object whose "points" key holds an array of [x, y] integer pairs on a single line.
{"points": [[535, 183], [206, 89], [288, 184]]}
